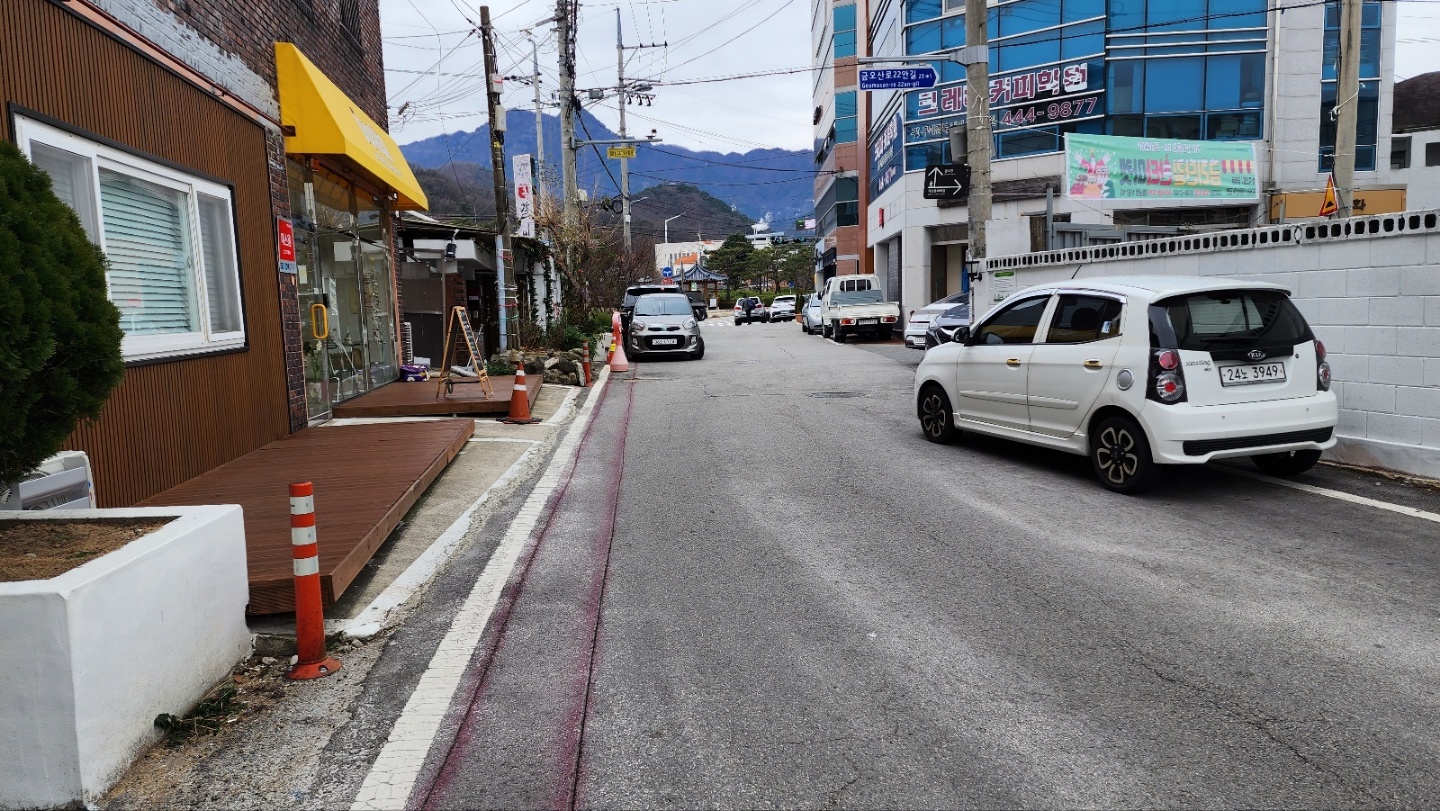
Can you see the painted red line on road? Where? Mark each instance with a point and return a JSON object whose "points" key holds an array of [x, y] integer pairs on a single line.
{"points": [[439, 777]]}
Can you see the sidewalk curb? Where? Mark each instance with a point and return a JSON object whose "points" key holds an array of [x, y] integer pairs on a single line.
{"points": [[384, 611]]}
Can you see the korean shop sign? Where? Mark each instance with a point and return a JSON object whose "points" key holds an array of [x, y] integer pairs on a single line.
{"points": [[886, 157], [1032, 86], [1108, 167]]}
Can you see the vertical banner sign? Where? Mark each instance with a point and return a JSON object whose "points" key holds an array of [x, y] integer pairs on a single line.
{"points": [[524, 195], [886, 157], [1109, 167], [285, 240]]}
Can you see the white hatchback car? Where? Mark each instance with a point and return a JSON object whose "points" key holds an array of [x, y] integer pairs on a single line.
{"points": [[1138, 372]]}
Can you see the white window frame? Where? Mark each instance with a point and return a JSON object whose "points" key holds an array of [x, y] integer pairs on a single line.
{"points": [[100, 156]]}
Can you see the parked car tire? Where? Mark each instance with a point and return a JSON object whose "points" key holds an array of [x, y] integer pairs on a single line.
{"points": [[937, 419], [699, 350], [824, 330], [836, 333], [1120, 455], [1286, 463]]}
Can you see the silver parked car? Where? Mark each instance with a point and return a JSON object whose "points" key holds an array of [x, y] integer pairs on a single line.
{"points": [[919, 322], [663, 324], [811, 321]]}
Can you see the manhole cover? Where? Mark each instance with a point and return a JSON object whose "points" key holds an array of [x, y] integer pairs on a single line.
{"points": [[836, 395]]}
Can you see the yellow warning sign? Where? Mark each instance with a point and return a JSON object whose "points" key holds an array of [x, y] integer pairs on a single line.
{"points": [[616, 152]]}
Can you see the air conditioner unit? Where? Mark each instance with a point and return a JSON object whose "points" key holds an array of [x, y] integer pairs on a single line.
{"points": [[62, 482]]}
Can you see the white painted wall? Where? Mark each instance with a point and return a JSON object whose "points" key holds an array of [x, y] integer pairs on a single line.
{"points": [[90, 658], [1422, 183], [1373, 299]]}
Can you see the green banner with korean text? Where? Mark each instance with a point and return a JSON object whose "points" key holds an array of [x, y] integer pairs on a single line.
{"points": [[1109, 167]]}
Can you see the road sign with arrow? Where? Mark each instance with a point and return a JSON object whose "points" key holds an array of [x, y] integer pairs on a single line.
{"points": [[947, 181]]}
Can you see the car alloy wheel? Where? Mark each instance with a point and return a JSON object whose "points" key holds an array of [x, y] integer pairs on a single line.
{"points": [[1120, 455], [937, 421]]}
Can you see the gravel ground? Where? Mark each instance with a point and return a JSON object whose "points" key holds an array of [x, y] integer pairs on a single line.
{"points": [[267, 755]]}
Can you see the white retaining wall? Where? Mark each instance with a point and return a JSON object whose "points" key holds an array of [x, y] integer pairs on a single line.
{"points": [[1369, 286], [89, 658]]}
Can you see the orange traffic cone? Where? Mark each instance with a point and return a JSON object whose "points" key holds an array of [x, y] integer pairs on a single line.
{"points": [[618, 361], [520, 400]]}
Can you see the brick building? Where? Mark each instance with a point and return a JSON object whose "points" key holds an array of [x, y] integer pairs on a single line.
{"points": [[185, 134]]}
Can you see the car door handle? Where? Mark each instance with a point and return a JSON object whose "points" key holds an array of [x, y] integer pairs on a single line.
{"points": [[1012, 362], [1092, 364]]}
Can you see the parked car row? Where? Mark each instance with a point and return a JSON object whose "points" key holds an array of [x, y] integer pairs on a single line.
{"points": [[1135, 373]]}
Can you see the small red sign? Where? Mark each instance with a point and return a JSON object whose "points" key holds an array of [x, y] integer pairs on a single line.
{"points": [[287, 240]]}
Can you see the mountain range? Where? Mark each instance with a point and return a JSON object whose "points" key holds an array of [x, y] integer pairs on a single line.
{"points": [[761, 184]]}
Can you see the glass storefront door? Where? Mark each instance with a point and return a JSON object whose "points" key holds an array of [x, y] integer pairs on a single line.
{"points": [[347, 298]]}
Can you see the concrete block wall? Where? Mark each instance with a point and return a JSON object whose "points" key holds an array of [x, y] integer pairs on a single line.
{"points": [[1370, 290]]}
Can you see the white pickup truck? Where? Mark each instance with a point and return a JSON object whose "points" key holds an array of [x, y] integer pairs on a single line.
{"points": [[856, 305]]}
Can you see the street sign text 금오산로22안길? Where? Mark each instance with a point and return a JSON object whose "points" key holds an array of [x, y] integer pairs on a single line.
{"points": [[897, 78]]}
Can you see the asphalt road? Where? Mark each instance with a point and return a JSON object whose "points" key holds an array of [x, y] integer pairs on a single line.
{"points": [[762, 588]]}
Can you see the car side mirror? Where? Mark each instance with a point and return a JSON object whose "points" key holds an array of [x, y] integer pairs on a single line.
{"points": [[962, 335]]}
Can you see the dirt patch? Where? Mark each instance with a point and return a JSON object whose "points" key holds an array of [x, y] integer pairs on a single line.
{"points": [[40, 550]]}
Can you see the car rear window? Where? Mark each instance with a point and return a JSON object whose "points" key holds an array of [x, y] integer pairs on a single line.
{"points": [[1231, 319], [662, 305]]}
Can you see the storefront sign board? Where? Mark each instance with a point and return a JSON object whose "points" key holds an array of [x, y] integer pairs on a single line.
{"points": [[1109, 167], [887, 159], [285, 240]]}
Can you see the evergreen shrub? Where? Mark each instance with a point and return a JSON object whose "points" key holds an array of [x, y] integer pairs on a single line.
{"points": [[59, 333]]}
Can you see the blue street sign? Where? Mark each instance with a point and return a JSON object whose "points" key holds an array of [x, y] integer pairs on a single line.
{"points": [[897, 78], [668, 272]]}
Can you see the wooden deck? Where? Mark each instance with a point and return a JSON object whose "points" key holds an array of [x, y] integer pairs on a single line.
{"points": [[420, 399], [366, 477]]}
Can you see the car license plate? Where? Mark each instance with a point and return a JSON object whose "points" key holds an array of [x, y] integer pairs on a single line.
{"points": [[664, 341], [1252, 373], [869, 321]]}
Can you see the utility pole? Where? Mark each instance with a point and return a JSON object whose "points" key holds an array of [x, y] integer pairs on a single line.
{"points": [[624, 100], [977, 125], [497, 161], [1345, 113], [567, 110], [539, 124]]}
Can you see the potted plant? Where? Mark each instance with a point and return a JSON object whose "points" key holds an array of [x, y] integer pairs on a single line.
{"points": [[98, 644]]}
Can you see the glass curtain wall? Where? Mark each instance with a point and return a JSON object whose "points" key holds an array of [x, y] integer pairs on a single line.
{"points": [[1367, 125], [1191, 69]]}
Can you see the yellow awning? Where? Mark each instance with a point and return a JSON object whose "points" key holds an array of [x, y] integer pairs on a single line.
{"points": [[326, 122]]}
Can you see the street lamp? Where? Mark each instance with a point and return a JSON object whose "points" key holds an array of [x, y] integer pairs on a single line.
{"points": [[667, 225]]}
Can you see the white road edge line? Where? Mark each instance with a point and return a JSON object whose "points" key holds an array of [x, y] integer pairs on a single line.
{"points": [[378, 615], [1340, 496], [392, 777]]}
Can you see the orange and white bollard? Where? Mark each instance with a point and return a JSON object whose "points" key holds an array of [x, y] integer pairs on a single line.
{"points": [[309, 613]]}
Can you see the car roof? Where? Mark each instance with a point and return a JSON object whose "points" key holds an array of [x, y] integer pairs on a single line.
{"points": [[666, 294], [1161, 286]]}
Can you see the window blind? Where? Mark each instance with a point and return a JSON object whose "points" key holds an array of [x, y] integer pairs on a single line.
{"points": [[147, 240]]}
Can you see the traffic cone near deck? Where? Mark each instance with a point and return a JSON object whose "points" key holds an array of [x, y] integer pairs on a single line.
{"points": [[309, 611], [520, 400]]}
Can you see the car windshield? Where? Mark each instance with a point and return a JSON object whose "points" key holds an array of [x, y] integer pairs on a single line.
{"points": [[857, 297], [960, 312], [634, 293], [1234, 319], [662, 305]]}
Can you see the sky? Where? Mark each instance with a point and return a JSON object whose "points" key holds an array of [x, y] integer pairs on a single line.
{"points": [[434, 63], [707, 39]]}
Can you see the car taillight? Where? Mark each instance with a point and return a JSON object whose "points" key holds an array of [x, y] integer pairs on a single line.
{"points": [[1167, 379], [888, 319], [1322, 368], [847, 321]]}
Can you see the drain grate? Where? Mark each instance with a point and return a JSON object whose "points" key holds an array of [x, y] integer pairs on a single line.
{"points": [[835, 395]]}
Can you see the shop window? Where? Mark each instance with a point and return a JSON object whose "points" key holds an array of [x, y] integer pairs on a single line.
{"points": [[350, 19], [1126, 16], [1129, 126], [1432, 154], [1400, 152], [1083, 40], [921, 10], [1174, 85], [1237, 14], [1019, 18], [1232, 126], [1178, 15], [1127, 87], [952, 33], [168, 236], [923, 38], [1039, 48], [1076, 10], [1186, 127]]}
